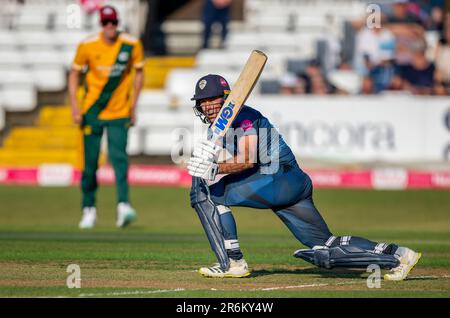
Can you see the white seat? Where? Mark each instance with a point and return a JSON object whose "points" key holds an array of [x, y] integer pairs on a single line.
{"points": [[12, 59], [275, 22], [32, 20], [67, 56], [262, 41], [306, 21], [17, 97], [2, 112], [135, 141], [158, 142], [49, 78], [47, 57], [8, 40], [348, 81], [71, 38], [210, 58], [17, 76], [165, 119], [64, 19], [36, 39], [180, 83], [149, 100], [218, 60]]}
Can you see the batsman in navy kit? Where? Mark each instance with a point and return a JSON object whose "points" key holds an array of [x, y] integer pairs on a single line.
{"points": [[264, 174]]}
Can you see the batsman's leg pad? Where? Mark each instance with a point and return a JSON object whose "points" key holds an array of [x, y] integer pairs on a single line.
{"points": [[210, 219], [346, 256]]}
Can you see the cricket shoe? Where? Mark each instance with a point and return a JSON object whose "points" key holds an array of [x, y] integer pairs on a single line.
{"points": [[408, 259], [89, 217], [237, 269], [125, 214]]}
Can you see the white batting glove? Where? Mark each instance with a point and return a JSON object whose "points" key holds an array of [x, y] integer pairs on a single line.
{"points": [[203, 168], [207, 150]]}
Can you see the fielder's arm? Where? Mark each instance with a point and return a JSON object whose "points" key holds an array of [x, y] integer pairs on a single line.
{"points": [[246, 157], [138, 84], [74, 80]]}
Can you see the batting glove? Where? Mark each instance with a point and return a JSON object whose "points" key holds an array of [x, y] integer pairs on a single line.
{"points": [[205, 169], [207, 150]]}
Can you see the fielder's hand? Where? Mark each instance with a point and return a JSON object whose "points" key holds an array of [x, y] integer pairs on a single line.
{"points": [[203, 168]]}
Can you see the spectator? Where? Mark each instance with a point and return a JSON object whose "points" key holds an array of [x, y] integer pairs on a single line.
{"points": [[10, 13], [431, 12], [215, 11], [382, 74], [420, 76], [91, 6], [313, 80], [401, 13], [404, 22], [290, 84], [372, 47], [436, 21], [443, 57]]}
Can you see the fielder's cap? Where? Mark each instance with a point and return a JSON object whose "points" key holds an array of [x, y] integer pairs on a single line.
{"points": [[108, 13], [211, 85]]}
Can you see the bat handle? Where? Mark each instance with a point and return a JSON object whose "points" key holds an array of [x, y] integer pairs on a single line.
{"points": [[215, 139]]}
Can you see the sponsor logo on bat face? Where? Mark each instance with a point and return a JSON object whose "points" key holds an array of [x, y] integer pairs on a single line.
{"points": [[225, 114]]}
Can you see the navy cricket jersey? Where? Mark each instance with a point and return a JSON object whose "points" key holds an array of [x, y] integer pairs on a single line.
{"points": [[251, 122]]}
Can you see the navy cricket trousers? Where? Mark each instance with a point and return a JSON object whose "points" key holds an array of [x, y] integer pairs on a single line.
{"points": [[287, 192]]}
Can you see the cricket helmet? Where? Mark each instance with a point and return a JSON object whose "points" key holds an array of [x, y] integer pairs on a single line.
{"points": [[209, 86]]}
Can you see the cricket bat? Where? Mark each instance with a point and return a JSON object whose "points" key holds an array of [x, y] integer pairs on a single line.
{"points": [[239, 94]]}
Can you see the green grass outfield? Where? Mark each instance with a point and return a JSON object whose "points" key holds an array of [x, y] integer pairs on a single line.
{"points": [[158, 255]]}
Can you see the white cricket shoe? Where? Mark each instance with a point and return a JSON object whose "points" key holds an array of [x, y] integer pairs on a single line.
{"points": [[89, 217], [125, 214], [408, 259], [237, 269]]}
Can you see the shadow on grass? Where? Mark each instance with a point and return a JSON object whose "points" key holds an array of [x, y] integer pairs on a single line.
{"points": [[327, 273]]}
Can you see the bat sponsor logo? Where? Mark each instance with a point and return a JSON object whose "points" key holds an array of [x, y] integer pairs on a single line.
{"points": [[224, 116]]}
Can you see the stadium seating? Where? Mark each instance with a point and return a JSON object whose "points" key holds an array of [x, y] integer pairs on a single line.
{"points": [[157, 69], [180, 83], [54, 139], [40, 49], [19, 97], [37, 46], [2, 113]]}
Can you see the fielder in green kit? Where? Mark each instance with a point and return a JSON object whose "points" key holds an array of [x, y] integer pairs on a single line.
{"points": [[108, 105]]}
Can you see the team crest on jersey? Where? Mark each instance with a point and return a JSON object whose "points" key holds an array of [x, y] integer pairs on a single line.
{"points": [[123, 56], [202, 84]]}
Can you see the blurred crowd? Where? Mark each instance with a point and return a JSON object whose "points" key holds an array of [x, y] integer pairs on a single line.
{"points": [[409, 51]]}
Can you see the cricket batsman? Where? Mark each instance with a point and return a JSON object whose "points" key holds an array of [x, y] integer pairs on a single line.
{"points": [[264, 174], [111, 58]]}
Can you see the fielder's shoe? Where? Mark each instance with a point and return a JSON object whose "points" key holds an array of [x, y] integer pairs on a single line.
{"points": [[237, 269], [408, 259], [89, 217], [125, 214]]}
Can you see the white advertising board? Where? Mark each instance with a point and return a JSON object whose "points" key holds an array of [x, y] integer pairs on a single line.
{"points": [[379, 128]]}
